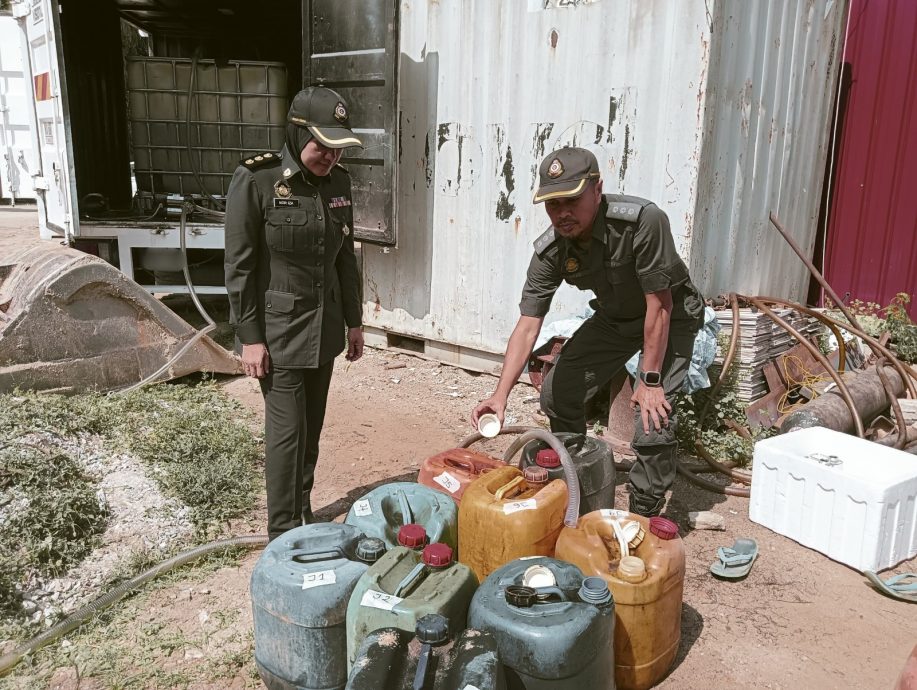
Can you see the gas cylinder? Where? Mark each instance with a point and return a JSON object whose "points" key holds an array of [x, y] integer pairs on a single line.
{"points": [[453, 470], [647, 584], [405, 585], [553, 625], [386, 509], [300, 589]]}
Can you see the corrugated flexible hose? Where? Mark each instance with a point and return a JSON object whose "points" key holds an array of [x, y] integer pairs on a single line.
{"points": [[76, 619]]}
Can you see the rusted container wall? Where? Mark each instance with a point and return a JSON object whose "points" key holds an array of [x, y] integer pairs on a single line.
{"points": [[770, 104], [487, 88], [872, 232]]}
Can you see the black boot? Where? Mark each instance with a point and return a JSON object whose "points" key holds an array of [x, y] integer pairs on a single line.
{"points": [[647, 506]]}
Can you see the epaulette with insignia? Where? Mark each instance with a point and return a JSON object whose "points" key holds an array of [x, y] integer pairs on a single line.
{"points": [[256, 161], [621, 207], [544, 241], [341, 167]]}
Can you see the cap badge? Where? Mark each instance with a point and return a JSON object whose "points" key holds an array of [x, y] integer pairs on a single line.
{"points": [[340, 112], [556, 169], [571, 265], [282, 189]]}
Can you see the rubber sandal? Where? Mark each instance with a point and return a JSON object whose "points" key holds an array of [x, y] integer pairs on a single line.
{"points": [[734, 562], [896, 586]]}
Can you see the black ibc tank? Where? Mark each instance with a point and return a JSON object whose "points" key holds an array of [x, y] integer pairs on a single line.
{"points": [[594, 463], [393, 659]]}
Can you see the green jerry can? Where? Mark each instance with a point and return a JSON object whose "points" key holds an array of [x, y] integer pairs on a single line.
{"points": [[594, 462], [404, 586], [383, 511], [300, 589], [554, 627], [428, 659]]}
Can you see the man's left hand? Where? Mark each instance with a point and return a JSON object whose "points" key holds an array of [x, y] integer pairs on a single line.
{"points": [[652, 404], [354, 344]]}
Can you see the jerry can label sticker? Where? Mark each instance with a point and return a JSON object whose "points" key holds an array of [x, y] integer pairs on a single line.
{"points": [[612, 513], [322, 577], [379, 600], [516, 506], [362, 508], [448, 482]]}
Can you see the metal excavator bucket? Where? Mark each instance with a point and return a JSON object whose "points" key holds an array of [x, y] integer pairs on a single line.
{"points": [[71, 322]]}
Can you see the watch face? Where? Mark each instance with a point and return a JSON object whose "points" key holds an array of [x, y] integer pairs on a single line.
{"points": [[651, 378]]}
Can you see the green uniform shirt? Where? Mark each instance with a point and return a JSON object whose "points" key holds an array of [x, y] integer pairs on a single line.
{"points": [[632, 253], [291, 271]]}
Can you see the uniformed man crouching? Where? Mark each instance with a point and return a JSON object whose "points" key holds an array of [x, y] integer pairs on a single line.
{"points": [[293, 284], [621, 248]]}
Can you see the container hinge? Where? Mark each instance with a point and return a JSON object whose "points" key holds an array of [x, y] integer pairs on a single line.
{"points": [[21, 9], [39, 183]]}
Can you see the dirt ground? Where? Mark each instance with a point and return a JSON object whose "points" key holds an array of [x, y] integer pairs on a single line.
{"points": [[799, 620]]}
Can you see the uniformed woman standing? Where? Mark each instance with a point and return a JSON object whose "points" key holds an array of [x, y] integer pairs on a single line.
{"points": [[293, 285]]}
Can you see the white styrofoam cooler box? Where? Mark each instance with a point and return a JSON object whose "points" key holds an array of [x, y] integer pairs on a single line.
{"points": [[850, 499]]}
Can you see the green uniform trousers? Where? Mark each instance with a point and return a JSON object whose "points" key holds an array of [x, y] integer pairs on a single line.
{"points": [[294, 411], [597, 351]]}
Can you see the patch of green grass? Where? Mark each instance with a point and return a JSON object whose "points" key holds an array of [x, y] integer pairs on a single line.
{"points": [[51, 516], [193, 438]]}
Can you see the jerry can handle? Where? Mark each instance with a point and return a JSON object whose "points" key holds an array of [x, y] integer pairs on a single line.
{"points": [[543, 593], [313, 556], [410, 580], [407, 516], [506, 488], [571, 517], [461, 464]]}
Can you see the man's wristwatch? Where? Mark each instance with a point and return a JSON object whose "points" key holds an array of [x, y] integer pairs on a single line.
{"points": [[651, 379]]}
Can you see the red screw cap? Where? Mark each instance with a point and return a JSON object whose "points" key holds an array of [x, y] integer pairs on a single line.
{"points": [[437, 555], [412, 535], [663, 528], [547, 458]]}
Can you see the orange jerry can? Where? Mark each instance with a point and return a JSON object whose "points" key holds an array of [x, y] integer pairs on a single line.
{"points": [[453, 470], [647, 587], [504, 516]]}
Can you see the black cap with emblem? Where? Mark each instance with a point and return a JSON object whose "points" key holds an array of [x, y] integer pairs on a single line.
{"points": [[325, 114], [565, 173]]}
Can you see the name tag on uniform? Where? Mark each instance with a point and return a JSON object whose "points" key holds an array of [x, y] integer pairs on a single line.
{"points": [[286, 203], [338, 201]]}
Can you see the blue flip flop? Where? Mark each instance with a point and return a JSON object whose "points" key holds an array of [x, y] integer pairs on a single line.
{"points": [[734, 562], [896, 586]]}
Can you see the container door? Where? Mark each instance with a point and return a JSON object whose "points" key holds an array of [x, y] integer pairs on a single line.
{"points": [[54, 183], [351, 47]]}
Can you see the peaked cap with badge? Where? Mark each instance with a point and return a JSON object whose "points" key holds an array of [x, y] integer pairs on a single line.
{"points": [[326, 115], [565, 173]]}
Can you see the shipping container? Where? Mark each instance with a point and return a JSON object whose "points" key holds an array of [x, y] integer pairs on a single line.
{"points": [[15, 140], [718, 111]]}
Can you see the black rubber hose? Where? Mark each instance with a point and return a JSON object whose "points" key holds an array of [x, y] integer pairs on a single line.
{"points": [[76, 619]]}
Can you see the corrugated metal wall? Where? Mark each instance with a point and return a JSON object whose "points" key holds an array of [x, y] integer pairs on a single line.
{"points": [[770, 103], [487, 88], [872, 233]]}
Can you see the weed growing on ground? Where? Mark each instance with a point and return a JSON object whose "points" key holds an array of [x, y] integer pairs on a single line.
{"points": [[894, 319], [50, 515], [719, 440], [193, 439]]}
